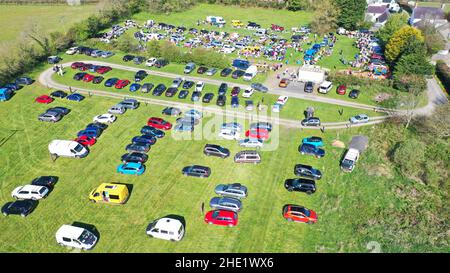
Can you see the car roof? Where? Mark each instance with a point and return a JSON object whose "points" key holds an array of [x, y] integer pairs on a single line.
{"points": [[168, 224], [133, 164], [68, 230], [31, 188]]}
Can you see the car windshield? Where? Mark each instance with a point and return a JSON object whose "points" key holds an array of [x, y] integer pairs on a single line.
{"points": [[347, 164], [86, 237], [78, 148], [215, 214]]}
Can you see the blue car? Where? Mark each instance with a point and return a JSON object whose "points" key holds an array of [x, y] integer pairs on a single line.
{"points": [[193, 114], [111, 82], [131, 168], [75, 97], [315, 141], [12, 86], [90, 132], [24, 80], [93, 68], [135, 87], [144, 139], [148, 130], [311, 150], [234, 102], [184, 127]]}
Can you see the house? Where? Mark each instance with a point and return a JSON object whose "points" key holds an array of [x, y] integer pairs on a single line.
{"points": [[435, 16], [377, 14]]}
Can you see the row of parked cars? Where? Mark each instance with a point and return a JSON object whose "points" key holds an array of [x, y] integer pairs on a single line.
{"points": [[8, 90]]}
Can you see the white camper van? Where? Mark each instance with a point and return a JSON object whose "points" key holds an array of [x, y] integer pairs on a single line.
{"points": [[325, 87], [67, 148], [167, 229], [250, 73], [349, 161], [76, 237]]}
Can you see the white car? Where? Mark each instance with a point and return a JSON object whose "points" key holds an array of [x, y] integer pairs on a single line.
{"points": [[251, 143], [151, 62], [282, 100], [248, 93], [72, 50], [166, 229], [199, 86], [105, 118], [361, 118], [234, 126], [75, 237], [228, 49], [229, 134], [30, 192]]}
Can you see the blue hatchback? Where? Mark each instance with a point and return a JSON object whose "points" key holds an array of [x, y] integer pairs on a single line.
{"points": [[315, 141], [148, 139], [75, 97], [90, 132], [110, 82], [311, 150], [148, 130], [135, 87], [131, 168], [234, 102]]}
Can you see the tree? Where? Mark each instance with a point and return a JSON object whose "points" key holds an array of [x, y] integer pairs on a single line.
{"points": [[436, 125], [414, 85], [394, 23], [409, 157], [413, 60], [295, 5], [399, 42], [325, 17], [154, 49], [433, 39], [352, 13]]}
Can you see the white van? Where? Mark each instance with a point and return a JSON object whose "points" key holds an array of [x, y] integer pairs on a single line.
{"points": [[325, 87], [76, 237], [261, 32], [250, 73], [67, 148], [166, 228]]}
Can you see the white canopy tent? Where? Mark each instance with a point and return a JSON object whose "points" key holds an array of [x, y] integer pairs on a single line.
{"points": [[309, 73]]}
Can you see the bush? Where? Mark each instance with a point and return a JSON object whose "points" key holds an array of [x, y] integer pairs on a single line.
{"points": [[443, 73], [338, 79], [409, 158]]}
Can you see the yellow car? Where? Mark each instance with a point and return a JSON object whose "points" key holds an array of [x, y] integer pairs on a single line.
{"points": [[237, 23], [112, 193]]}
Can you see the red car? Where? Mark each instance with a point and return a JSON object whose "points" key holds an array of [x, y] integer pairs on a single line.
{"points": [[222, 218], [341, 90], [76, 65], [44, 99], [86, 140], [257, 133], [159, 123], [121, 84], [103, 69], [85, 67], [277, 28], [88, 78], [299, 214]]}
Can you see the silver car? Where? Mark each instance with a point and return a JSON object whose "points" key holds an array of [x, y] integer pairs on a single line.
{"points": [[361, 118], [211, 71], [251, 143], [50, 116], [235, 190], [226, 203], [177, 82], [117, 109]]}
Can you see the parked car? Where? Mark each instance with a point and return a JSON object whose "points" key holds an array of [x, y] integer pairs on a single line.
{"points": [[117, 109], [211, 71], [251, 143], [196, 96], [88, 78], [148, 130], [110, 82], [138, 147], [222, 89], [307, 171], [159, 123], [161, 63], [226, 203], [221, 100], [342, 89], [151, 62], [184, 127], [166, 229], [135, 87], [311, 121], [237, 74], [222, 218], [50, 116], [257, 133], [90, 132], [19, 207], [261, 125], [189, 68], [207, 97], [259, 87], [147, 87], [58, 94], [188, 84], [129, 104], [298, 213], [361, 118], [171, 91], [47, 181], [247, 157], [61, 110], [132, 168], [138, 60], [226, 72], [354, 94], [235, 190], [140, 75], [86, 140], [231, 126], [177, 82], [283, 83], [202, 70], [197, 171], [300, 185], [44, 99], [105, 118], [97, 126], [234, 102], [79, 76], [229, 134], [77, 237], [199, 86], [311, 150], [309, 87], [32, 192], [183, 94], [159, 89], [193, 114], [110, 193], [314, 140], [75, 97], [135, 157], [121, 84], [247, 93], [216, 150], [127, 58], [97, 80], [146, 139], [171, 111]]}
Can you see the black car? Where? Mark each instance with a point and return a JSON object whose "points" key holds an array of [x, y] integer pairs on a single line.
{"points": [[188, 84], [62, 110], [98, 125], [311, 121], [161, 63], [208, 97], [197, 171], [202, 70], [222, 89], [46, 181], [24, 80], [19, 207], [110, 82], [183, 94], [221, 100], [216, 150], [146, 139], [171, 91], [261, 125], [58, 94], [148, 130], [147, 87], [159, 90], [309, 87], [138, 60], [309, 149], [97, 79], [138, 147], [196, 96], [307, 172], [140, 75], [237, 74], [134, 157], [127, 58], [226, 72], [171, 111], [259, 87], [354, 94], [301, 185], [79, 76]]}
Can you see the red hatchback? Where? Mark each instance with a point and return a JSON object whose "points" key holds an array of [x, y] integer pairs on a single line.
{"points": [[44, 99], [299, 214], [221, 218], [121, 84], [159, 123], [76, 65], [342, 89], [257, 133], [103, 69], [86, 140], [88, 78]]}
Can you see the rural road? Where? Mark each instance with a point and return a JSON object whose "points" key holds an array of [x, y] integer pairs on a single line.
{"points": [[45, 78]]}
